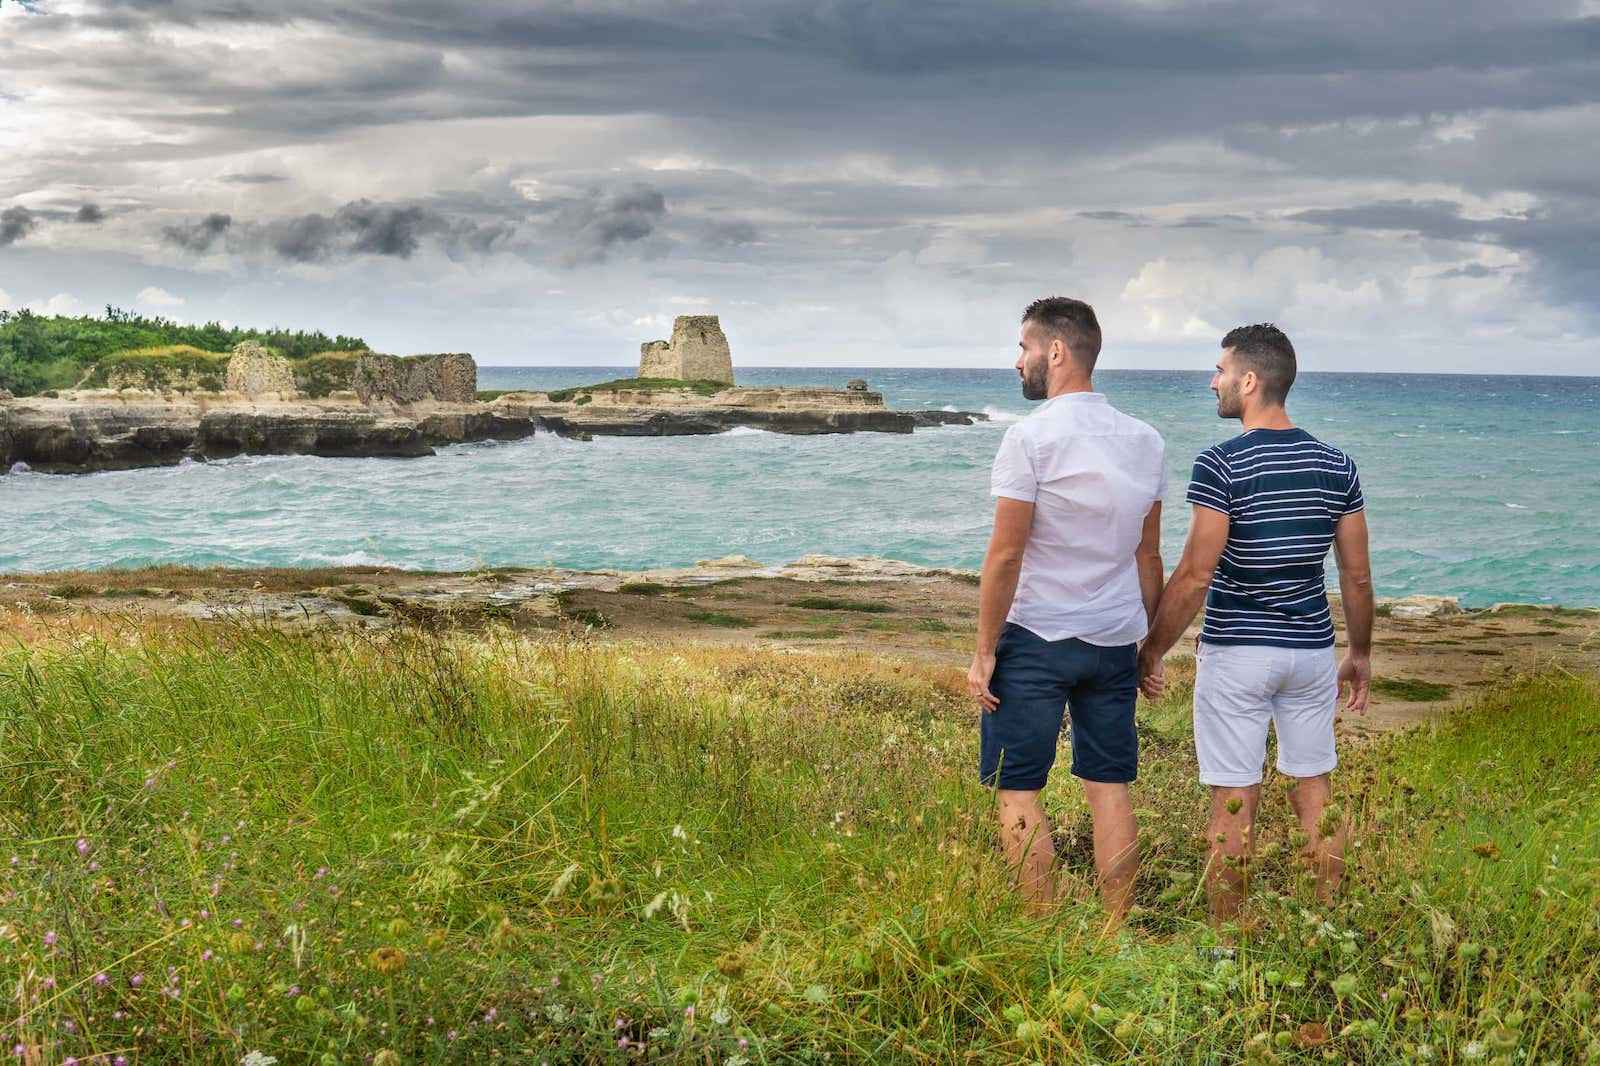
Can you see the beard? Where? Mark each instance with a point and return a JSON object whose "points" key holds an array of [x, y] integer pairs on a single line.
{"points": [[1033, 383], [1228, 405]]}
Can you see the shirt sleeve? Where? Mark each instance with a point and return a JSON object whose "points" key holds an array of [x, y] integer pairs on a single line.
{"points": [[1161, 476], [1013, 476], [1209, 485], [1354, 501]]}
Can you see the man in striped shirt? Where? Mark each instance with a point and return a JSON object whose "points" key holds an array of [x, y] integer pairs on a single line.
{"points": [[1268, 504]]}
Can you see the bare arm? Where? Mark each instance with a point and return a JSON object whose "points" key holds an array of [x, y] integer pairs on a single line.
{"points": [[1208, 536], [1001, 566], [1355, 592], [1152, 574]]}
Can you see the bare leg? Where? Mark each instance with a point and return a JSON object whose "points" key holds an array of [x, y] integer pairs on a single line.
{"points": [[1324, 851], [1025, 835], [1116, 844], [1231, 829]]}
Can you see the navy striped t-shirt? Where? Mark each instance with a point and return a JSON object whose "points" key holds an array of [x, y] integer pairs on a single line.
{"points": [[1283, 491]]}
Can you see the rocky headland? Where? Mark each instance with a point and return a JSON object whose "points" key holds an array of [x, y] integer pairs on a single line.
{"points": [[140, 413]]}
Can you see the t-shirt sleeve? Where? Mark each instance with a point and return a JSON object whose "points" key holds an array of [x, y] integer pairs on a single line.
{"points": [[1013, 476], [1208, 484], [1354, 501], [1161, 474]]}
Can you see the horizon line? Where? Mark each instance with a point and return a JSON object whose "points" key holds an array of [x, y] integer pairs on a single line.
{"points": [[1120, 369]]}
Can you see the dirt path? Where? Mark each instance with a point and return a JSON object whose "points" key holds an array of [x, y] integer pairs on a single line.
{"points": [[894, 609]]}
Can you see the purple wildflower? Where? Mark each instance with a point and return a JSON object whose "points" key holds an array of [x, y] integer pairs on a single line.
{"points": [[101, 980]]}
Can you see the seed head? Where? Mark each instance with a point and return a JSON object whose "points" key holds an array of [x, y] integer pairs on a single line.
{"points": [[388, 961]]}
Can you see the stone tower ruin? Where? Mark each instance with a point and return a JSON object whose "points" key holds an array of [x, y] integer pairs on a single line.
{"points": [[698, 351]]}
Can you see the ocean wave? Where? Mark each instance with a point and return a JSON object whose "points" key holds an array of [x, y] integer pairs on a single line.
{"points": [[1517, 506], [358, 558], [995, 414], [743, 431]]}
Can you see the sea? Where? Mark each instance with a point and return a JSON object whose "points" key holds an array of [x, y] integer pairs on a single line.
{"points": [[1481, 487]]}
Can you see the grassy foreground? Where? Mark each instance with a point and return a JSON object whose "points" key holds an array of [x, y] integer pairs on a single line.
{"points": [[420, 848]]}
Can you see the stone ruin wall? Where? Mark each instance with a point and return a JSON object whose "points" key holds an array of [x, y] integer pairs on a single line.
{"points": [[449, 378], [698, 351], [254, 371]]}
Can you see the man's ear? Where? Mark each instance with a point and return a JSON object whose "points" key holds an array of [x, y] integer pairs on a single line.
{"points": [[1248, 383], [1058, 351]]}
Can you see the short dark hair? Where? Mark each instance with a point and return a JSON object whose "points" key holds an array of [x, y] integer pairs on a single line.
{"points": [[1265, 349], [1071, 320]]}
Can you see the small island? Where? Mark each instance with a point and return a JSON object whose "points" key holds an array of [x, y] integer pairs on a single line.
{"points": [[307, 394]]}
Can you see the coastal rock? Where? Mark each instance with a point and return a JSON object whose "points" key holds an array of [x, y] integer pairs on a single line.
{"points": [[690, 422], [99, 431], [698, 351], [729, 562], [448, 378], [1424, 607], [866, 567], [331, 434], [5, 438], [256, 371], [926, 418]]}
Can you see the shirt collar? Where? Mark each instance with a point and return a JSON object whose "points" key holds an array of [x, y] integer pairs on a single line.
{"points": [[1074, 397]]}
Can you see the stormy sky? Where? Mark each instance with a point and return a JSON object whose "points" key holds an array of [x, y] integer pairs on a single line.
{"points": [[1401, 186]]}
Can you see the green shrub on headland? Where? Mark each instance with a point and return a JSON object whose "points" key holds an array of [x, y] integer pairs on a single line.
{"points": [[426, 848], [39, 353], [177, 367], [699, 388]]}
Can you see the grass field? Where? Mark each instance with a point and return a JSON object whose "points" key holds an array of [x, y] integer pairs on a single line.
{"points": [[424, 848]]}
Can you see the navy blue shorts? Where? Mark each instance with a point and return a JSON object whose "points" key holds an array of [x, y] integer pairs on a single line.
{"points": [[1037, 681]]}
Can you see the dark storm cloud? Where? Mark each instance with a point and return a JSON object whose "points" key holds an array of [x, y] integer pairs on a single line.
{"points": [[1127, 217], [90, 215], [200, 235], [601, 221], [1471, 270], [1427, 218], [15, 224], [368, 227], [1559, 240], [729, 233], [302, 239], [254, 178]]}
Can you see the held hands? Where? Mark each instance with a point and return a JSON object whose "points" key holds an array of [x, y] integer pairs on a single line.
{"points": [[1356, 671], [978, 678], [1152, 675]]}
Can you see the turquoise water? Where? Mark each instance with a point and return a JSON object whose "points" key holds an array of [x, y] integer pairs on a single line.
{"points": [[1482, 487]]}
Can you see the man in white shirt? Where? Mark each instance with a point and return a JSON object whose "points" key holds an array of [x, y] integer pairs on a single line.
{"points": [[1072, 576]]}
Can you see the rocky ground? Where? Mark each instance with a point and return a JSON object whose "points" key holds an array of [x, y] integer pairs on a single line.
{"points": [[1428, 653]]}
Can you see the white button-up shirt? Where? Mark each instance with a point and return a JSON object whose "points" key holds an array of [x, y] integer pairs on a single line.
{"points": [[1092, 474]]}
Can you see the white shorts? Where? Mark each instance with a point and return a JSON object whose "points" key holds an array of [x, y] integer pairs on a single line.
{"points": [[1238, 689]]}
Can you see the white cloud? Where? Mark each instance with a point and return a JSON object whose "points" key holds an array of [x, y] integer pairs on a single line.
{"points": [[153, 296], [62, 303], [5, 300]]}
